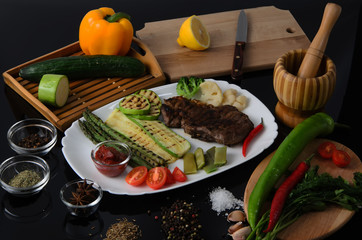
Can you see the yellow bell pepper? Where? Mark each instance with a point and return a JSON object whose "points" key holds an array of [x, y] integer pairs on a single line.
{"points": [[102, 31]]}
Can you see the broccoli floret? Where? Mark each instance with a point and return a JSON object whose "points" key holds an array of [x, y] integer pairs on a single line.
{"points": [[188, 87]]}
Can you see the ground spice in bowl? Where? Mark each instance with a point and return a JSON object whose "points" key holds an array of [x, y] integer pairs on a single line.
{"points": [[24, 179]]}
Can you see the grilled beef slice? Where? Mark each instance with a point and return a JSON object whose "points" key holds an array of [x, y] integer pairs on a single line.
{"points": [[224, 124]]}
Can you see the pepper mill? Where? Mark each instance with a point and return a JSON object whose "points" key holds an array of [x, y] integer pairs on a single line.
{"points": [[304, 80]]}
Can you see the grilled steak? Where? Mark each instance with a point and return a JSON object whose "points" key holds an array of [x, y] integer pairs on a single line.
{"points": [[224, 124]]}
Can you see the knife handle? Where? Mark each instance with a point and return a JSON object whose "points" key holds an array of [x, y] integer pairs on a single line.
{"points": [[236, 72]]}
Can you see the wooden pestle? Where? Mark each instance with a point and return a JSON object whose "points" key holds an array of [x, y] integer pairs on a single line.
{"points": [[315, 52]]}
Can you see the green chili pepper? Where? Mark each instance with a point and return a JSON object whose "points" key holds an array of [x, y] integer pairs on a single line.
{"points": [[317, 125]]}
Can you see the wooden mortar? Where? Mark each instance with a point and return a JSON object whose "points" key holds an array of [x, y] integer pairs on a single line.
{"points": [[301, 97], [304, 80]]}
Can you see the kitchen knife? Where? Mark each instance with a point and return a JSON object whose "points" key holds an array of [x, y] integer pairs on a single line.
{"points": [[241, 36]]}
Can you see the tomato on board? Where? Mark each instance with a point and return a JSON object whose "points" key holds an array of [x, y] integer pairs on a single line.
{"points": [[326, 149], [170, 179], [137, 176], [179, 175], [341, 158], [156, 177]]}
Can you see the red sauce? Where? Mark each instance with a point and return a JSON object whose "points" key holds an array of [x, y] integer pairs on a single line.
{"points": [[109, 155]]}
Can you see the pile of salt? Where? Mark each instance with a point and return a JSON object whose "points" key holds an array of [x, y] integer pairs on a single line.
{"points": [[222, 199]]}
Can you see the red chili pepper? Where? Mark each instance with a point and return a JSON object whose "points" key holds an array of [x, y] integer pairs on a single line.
{"points": [[251, 135], [284, 190]]}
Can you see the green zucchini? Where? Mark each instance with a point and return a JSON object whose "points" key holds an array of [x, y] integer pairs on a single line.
{"points": [[170, 141], [123, 124], [152, 97], [154, 113], [53, 90], [134, 104], [85, 66]]}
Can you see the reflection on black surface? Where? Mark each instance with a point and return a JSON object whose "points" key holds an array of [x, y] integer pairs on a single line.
{"points": [[27, 209], [20, 107], [53, 161], [83, 228]]}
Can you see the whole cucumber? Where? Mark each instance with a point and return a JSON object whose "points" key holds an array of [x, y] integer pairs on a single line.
{"points": [[85, 66], [316, 125]]}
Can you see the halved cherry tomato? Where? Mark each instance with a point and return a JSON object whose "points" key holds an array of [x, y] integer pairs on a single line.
{"points": [[170, 179], [137, 176], [179, 175], [341, 158], [156, 177], [326, 149]]}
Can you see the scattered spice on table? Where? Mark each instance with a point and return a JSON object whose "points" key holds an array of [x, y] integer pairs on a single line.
{"points": [[26, 178], [222, 199], [123, 230], [33, 140], [181, 221]]}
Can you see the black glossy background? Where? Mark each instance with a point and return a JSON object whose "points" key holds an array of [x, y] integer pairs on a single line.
{"points": [[30, 29]]}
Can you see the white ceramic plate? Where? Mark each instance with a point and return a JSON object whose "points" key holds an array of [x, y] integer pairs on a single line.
{"points": [[77, 147]]}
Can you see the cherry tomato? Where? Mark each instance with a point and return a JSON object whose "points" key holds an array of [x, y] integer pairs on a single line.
{"points": [[179, 175], [326, 149], [137, 176], [170, 179], [156, 177], [341, 158]]}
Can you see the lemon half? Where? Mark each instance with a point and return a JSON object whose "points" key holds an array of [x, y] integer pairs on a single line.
{"points": [[193, 34]]}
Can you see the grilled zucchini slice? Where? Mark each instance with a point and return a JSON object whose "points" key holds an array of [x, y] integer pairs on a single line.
{"points": [[152, 97], [169, 140], [134, 104], [154, 113], [123, 124]]}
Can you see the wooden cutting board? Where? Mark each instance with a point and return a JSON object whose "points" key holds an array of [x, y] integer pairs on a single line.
{"points": [[271, 33], [319, 224]]}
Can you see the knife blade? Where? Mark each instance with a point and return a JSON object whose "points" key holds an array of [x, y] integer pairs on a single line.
{"points": [[241, 37]]}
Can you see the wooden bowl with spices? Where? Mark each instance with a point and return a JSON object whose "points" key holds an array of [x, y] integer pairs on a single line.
{"points": [[24, 175]]}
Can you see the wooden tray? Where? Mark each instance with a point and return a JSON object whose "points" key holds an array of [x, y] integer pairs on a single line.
{"points": [[319, 224], [271, 33], [87, 93]]}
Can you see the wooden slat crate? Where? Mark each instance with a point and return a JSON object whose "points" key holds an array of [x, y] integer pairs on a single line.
{"points": [[87, 93]]}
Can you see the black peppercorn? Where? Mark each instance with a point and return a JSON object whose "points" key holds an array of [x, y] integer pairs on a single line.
{"points": [[180, 221], [33, 141]]}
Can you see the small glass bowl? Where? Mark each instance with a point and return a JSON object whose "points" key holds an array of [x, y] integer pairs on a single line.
{"points": [[85, 209], [17, 164], [32, 127], [112, 170]]}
